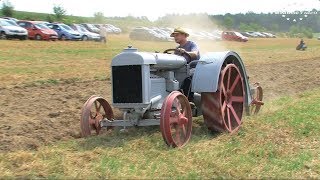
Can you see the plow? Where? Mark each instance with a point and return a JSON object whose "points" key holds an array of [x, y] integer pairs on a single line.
{"points": [[146, 88]]}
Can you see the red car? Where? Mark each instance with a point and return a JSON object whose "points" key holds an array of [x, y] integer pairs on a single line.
{"points": [[233, 36], [38, 30]]}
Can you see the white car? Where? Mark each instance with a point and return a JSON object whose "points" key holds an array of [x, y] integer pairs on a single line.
{"points": [[260, 34], [85, 34], [112, 29], [9, 31], [269, 35]]}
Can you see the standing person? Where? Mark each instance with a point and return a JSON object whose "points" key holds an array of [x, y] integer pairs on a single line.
{"points": [[190, 51], [103, 34]]}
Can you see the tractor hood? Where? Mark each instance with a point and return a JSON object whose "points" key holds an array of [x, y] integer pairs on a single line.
{"points": [[131, 56]]}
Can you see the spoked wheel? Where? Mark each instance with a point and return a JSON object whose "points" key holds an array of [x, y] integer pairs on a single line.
{"points": [[222, 110], [93, 111], [256, 103], [176, 120]]}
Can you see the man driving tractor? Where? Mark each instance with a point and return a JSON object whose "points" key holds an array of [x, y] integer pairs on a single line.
{"points": [[185, 47], [190, 51]]}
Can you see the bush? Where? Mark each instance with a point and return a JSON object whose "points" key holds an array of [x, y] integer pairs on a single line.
{"points": [[300, 32], [308, 33]]}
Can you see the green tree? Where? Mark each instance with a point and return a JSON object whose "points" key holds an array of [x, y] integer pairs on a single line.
{"points": [[228, 22], [50, 18], [98, 17], [298, 31], [307, 32], [244, 27], [59, 12], [7, 9], [275, 27]]}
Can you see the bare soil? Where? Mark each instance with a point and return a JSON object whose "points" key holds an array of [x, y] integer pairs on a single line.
{"points": [[32, 116]]}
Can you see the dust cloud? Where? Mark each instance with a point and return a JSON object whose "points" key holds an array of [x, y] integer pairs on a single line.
{"points": [[203, 30]]}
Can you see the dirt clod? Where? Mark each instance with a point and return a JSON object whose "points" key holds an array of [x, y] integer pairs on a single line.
{"points": [[54, 114]]}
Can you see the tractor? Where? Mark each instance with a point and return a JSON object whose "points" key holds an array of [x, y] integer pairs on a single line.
{"points": [[146, 88]]}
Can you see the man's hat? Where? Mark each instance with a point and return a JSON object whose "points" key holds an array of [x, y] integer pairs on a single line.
{"points": [[179, 30]]}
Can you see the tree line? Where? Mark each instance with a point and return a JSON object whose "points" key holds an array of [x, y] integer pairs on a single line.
{"points": [[298, 23]]}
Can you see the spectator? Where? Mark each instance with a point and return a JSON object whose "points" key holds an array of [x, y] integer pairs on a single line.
{"points": [[103, 34]]}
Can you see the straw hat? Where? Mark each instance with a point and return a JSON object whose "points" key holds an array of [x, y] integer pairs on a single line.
{"points": [[179, 30]]}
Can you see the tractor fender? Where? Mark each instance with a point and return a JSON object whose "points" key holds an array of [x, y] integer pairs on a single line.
{"points": [[207, 72]]}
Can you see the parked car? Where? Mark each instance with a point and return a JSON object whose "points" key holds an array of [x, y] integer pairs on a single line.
{"points": [[144, 33], [260, 34], [112, 29], [165, 35], [65, 32], [10, 18], [257, 34], [269, 35], [252, 34], [9, 31], [91, 28], [85, 34], [38, 30], [245, 34], [233, 36], [210, 36], [12, 22]]}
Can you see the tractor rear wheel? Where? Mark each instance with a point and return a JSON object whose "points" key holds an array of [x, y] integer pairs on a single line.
{"points": [[176, 120], [94, 110], [222, 110]]}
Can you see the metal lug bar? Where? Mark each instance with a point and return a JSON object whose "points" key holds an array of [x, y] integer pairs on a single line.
{"points": [[126, 123]]}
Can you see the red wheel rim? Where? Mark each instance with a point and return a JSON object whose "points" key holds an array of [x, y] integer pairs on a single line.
{"points": [[93, 111], [222, 110], [176, 120]]}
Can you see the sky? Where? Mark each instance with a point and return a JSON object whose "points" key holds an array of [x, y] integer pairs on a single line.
{"points": [[155, 9]]}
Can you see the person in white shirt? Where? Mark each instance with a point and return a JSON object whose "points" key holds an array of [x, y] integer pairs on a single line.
{"points": [[103, 34]]}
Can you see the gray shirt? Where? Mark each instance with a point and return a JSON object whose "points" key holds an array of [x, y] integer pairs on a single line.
{"points": [[190, 46]]}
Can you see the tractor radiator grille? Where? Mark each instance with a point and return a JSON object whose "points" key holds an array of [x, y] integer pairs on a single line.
{"points": [[127, 84]]}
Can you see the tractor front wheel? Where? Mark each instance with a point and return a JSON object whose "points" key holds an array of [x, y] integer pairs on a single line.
{"points": [[176, 120]]}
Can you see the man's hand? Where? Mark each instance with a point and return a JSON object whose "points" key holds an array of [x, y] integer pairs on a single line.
{"points": [[181, 50]]}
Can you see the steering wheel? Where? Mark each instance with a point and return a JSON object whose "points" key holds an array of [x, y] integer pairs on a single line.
{"points": [[185, 53], [169, 50]]}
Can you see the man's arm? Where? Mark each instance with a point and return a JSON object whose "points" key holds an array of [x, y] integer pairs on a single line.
{"points": [[193, 53]]}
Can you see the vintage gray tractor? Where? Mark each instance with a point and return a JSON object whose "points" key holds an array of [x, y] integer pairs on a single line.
{"points": [[146, 87]]}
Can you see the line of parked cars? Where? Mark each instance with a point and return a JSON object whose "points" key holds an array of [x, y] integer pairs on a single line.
{"points": [[258, 34], [243, 36], [163, 34], [150, 34], [11, 28]]}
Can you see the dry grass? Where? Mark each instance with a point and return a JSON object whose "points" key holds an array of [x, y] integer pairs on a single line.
{"points": [[282, 142], [275, 144]]}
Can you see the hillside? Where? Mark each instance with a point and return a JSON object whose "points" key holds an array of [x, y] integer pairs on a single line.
{"points": [[301, 21]]}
